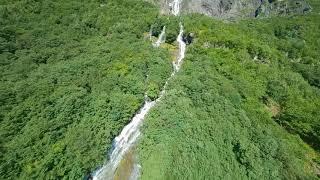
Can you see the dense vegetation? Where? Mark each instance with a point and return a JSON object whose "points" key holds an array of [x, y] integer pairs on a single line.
{"points": [[244, 106], [72, 75]]}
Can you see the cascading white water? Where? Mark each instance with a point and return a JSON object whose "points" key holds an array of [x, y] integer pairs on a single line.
{"points": [[161, 38], [182, 49], [123, 143], [175, 7], [129, 135]]}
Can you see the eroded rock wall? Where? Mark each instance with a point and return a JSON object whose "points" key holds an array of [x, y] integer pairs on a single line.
{"points": [[225, 9]]}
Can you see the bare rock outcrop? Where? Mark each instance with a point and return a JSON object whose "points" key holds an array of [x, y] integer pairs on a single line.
{"points": [[226, 9]]}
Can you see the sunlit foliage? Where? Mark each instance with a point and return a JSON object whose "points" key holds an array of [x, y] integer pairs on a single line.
{"points": [[72, 75], [245, 104]]}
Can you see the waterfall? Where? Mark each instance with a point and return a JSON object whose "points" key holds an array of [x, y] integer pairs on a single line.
{"points": [[123, 143], [175, 7], [161, 38], [182, 49]]}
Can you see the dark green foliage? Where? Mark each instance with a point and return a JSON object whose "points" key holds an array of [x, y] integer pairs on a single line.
{"points": [[72, 75], [244, 105], [309, 72], [172, 27]]}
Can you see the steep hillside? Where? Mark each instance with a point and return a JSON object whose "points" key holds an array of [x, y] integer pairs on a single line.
{"points": [[72, 75], [238, 8], [243, 105]]}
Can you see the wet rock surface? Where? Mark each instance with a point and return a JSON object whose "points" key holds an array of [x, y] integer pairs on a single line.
{"points": [[226, 9]]}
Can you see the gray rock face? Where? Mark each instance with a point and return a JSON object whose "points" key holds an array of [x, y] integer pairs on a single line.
{"points": [[222, 8], [226, 9]]}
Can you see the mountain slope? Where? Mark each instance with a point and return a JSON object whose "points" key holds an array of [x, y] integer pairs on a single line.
{"points": [[244, 106], [227, 9], [72, 76]]}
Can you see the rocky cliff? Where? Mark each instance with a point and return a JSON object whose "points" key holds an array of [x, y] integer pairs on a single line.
{"points": [[226, 9]]}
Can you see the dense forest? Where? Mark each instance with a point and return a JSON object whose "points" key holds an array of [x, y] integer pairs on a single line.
{"points": [[73, 73], [245, 104]]}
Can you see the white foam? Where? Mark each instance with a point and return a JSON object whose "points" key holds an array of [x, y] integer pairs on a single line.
{"points": [[175, 7], [131, 132], [161, 38]]}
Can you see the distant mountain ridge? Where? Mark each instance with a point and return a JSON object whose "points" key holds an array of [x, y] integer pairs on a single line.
{"points": [[226, 9]]}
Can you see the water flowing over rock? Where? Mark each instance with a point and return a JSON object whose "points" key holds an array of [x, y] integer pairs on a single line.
{"points": [[231, 9], [129, 135], [123, 143], [175, 7], [182, 49], [161, 38]]}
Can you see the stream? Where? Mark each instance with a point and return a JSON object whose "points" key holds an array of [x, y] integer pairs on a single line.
{"points": [[124, 143]]}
